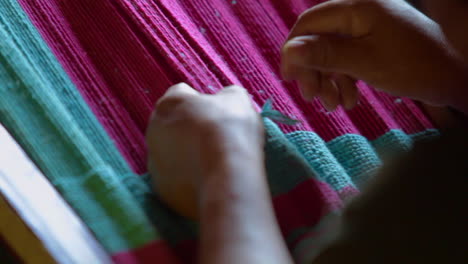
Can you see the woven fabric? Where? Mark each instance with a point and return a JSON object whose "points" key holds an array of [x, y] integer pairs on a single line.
{"points": [[42, 108], [122, 55], [78, 87]]}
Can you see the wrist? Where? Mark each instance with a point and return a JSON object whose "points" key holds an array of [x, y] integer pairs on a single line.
{"points": [[232, 178], [230, 148], [229, 168], [234, 197]]}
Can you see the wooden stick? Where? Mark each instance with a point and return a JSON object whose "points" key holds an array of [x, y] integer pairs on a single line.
{"points": [[50, 232]]}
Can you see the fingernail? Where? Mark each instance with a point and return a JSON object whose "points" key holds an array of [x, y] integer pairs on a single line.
{"points": [[291, 55], [351, 102], [294, 50], [152, 116], [307, 94], [287, 69], [294, 43], [327, 106], [349, 105], [346, 103]]}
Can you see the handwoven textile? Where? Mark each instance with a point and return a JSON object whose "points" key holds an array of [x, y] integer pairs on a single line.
{"points": [[78, 81]]}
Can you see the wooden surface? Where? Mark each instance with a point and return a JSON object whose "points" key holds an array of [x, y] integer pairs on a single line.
{"points": [[20, 238], [34, 219]]}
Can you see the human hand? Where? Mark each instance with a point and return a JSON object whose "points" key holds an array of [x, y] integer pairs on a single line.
{"points": [[388, 44], [192, 134]]}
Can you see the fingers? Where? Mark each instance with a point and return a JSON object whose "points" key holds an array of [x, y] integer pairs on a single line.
{"points": [[174, 96], [330, 93], [183, 91], [333, 17], [180, 89], [307, 58], [309, 83], [233, 89], [328, 38], [323, 53], [333, 89], [349, 93], [288, 68], [236, 96], [235, 92]]}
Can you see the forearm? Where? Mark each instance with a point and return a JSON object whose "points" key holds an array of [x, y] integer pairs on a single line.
{"points": [[237, 219]]}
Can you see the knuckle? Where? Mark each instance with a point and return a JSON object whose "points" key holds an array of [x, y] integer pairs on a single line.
{"points": [[170, 102], [354, 15], [304, 15], [364, 9], [235, 88], [237, 91], [170, 106], [179, 85]]}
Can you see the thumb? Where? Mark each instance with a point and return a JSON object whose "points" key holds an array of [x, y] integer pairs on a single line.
{"points": [[325, 54]]}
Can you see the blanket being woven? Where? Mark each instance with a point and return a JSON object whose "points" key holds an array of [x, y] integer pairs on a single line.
{"points": [[78, 81]]}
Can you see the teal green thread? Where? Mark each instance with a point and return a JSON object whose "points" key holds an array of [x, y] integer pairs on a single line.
{"points": [[277, 116]]}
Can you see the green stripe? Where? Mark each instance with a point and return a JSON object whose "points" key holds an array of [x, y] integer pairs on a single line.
{"points": [[43, 110], [347, 161], [356, 155]]}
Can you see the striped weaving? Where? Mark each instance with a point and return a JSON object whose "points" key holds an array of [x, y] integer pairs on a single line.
{"points": [[78, 81]]}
